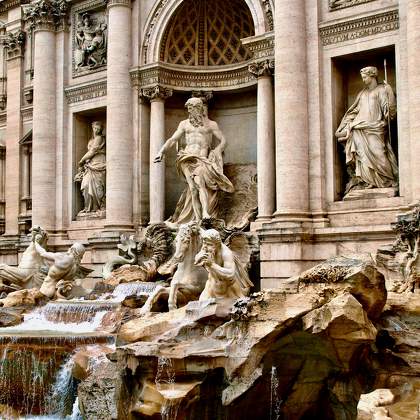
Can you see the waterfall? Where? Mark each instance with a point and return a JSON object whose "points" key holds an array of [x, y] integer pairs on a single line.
{"points": [[275, 402], [69, 318], [124, 290]]}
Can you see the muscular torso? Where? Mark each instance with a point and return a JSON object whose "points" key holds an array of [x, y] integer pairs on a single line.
{"points": [[198, 139]]}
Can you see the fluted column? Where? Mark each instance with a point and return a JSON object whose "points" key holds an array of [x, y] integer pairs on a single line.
{"points": [[157, 96], [265, 139], [14, 43], [44, 17], [291, 106], [413, 41], [119, 153]]}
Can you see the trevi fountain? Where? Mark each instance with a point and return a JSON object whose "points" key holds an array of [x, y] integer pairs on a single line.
{"points": [[210, 210]]}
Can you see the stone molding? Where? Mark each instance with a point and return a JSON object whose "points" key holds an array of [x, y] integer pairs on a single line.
{"points": [[126, 3], [27, 113], [260, 46], [9, 4], [183, 78], [261, 68], [46, 15], [333, 5], [269, 15], [156, 93], [359, 28], [85, 92], [3, 118], [14, 42]]}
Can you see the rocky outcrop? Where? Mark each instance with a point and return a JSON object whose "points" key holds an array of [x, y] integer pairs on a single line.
{"points": [[297, 354]]}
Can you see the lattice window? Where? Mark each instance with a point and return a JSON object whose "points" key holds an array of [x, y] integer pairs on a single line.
{"points": [[208, 33]]}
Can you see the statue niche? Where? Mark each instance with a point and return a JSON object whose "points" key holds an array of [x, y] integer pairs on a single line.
{"points": [[92, 174], [90, 42], [365, 133]]}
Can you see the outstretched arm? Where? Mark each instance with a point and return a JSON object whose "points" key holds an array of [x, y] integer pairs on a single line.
{"points": [[44, 254], [177, 136]]}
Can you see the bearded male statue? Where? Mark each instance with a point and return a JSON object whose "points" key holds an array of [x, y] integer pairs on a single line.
{"points": [[199, 164]]}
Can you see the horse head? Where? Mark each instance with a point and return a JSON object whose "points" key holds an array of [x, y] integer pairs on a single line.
{"points": [[187, 241]]}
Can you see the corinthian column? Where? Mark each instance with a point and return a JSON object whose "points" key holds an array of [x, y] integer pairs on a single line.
{"points": [[14, 44], [265, 139], [119, 153], [292, 159], [157, 96], [413, 41], [44, 16]]}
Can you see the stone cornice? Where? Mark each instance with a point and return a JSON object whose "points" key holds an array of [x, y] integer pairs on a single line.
{"points": [[46, 15], [85, 92], [182, 78], [10, 4], [260, 46], [334, 5], [156, 93], [27, 113], [359, 28], [262, 68], [3, 118]]}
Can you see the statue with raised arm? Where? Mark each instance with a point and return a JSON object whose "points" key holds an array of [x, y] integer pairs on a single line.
{"points": [[199, 164], [364, 130], [92, 172], [26, 274], [65, 268], [227, 277]]}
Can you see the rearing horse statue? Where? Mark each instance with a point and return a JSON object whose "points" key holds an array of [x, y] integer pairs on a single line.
{"points": [[188, 280]]}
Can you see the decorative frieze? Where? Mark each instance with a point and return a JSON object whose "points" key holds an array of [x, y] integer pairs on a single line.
{"points": [[14, 42], [9, 4], [84, 93], [46, 14], [268, 14], [185, 80], [156, 92], [359, 28], [89, 38], [262, 68], [341, 4]]}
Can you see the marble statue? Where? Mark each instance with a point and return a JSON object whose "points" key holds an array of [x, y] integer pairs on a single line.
{"points": [[227, 278], [92, 172], [26, 273], [65, 268], [90, 44], [364, 130], [199, 164]]}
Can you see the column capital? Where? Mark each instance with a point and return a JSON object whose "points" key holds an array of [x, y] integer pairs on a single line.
{"points": [[262, 68], [124, 3], [46, 15], [156, 93], [15, 44]]}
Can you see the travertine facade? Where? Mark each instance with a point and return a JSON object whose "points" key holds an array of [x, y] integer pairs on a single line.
{"points": [[277, 76]]}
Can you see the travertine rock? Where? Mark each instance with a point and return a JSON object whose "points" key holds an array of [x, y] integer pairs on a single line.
{"points": [[26, 297]]}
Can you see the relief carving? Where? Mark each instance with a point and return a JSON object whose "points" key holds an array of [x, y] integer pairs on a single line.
{"points": [[90, 37]]}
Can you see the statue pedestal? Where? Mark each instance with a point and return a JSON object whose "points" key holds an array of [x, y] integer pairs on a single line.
{"points": [[369, 193], [100, 214]]}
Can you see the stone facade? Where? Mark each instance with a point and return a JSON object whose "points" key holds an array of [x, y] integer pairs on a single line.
{"points": [[280, 76]]}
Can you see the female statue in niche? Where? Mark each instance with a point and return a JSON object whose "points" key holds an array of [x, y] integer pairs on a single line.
{"points": [[364, 129], [92, 172]]}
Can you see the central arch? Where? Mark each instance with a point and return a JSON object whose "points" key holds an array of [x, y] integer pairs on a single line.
{"points": [[161, 15]]}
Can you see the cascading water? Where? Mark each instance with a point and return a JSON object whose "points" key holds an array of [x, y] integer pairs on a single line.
{"points": [[35, 364], [275, 402], [124, 290]]}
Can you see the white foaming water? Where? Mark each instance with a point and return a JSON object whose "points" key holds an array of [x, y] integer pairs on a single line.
{"points": [[71, 318], [275, 403], [124, 290]]}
